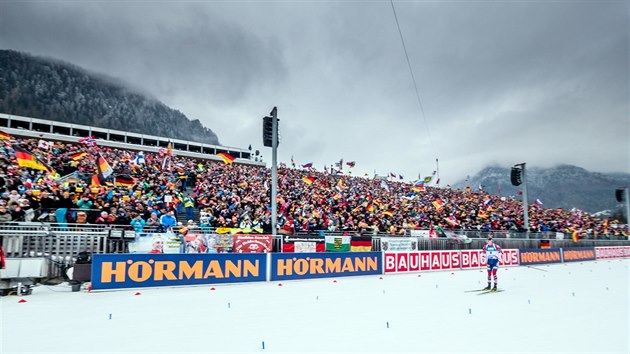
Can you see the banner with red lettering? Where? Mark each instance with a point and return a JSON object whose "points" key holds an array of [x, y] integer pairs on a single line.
{"points": [[396, 262], [612, 252], [252, 243]]}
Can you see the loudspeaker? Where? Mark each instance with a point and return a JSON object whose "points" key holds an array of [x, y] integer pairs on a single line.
{"points": [[619, 194]]}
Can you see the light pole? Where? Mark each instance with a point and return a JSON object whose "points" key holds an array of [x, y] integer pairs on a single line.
{"points": [[519, 177]]}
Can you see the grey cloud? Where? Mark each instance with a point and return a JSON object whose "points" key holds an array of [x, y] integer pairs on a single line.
{"points": [[500, 82]]}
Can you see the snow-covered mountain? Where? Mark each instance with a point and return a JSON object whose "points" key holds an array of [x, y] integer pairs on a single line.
{"points": [[563, 186]]}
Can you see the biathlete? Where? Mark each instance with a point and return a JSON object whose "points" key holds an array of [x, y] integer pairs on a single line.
{"points": [[492, 252]]}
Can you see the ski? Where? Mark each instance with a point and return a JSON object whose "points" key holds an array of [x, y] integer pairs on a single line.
{"points": [[476, 290], [490, 291]]}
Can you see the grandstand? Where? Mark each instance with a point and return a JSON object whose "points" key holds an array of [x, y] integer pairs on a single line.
{"points": [[68, 132], [54, 217]]}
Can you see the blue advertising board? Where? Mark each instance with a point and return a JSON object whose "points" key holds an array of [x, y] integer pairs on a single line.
{"points": [[540, 256], [576, 254], [119, 271], [324, 265]]}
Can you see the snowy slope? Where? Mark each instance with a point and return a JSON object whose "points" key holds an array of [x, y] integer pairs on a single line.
{"points": [[560, 308]]}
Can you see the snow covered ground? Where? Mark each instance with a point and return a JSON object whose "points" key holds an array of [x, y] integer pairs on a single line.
{"points": [[560, 308]]}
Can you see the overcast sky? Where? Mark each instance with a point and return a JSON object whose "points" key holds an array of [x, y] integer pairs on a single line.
{"points": [[500, 82]]}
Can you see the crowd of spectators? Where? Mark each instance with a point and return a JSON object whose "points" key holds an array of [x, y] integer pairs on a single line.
{"points": [[238, 196]]}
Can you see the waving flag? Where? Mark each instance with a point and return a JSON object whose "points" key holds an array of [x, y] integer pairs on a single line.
{"points": [[388, 213], [26, 159], [538, 202], [77, 156], [438, 204], [5, 136], [124, 181], [428, 179], [97, 180], [226, 157], [104, 167], [384, 186], [43, 144], [307, 165], [350, 163], [88, 141], [309, 180], [139, 159]]}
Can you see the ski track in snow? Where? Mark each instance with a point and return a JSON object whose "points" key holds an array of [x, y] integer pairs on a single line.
{"points": [[577, 307]]}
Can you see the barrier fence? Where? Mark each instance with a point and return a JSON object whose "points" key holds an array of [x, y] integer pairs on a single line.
{"points": [[118, 271], [62, 243]]}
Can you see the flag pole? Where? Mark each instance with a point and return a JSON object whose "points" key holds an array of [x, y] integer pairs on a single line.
{"points": [[437, 168]]}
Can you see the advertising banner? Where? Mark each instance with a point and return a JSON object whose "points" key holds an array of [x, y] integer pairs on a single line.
{"points": [[208, 243], [252, 243], [612, 252], [303, 243], [399, 244], [396, 262], [154, 243], [119, 271], [575, 254], [421, 233], [540, 256], [322, 265]]}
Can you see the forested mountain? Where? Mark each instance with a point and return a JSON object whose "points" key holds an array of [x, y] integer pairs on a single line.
{"points": [[562, 186], [50, 89]]}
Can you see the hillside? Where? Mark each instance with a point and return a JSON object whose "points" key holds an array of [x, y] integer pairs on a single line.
{"points": [[49, 89], [562, 186]]}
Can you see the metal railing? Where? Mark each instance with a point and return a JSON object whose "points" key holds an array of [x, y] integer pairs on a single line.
{"points": [[66, 241]]}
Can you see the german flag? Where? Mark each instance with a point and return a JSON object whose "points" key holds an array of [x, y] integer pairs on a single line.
{"points": [[103, 167], [124, 181], [370, 207], [388, 213], [361, 244], [438, 204], [308, 180], [5, 136], [26, 159], [575, 236], [78, 156], [96, 180], [226, 157]]}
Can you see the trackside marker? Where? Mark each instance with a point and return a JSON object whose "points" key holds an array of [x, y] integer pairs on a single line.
{"points": [[138, 293], [21, 301], [110, 316], [470, 311], [387, 324], [263, 345], [279, 284], [212, 289]]}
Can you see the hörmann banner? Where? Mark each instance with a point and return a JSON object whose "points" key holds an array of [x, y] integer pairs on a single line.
{"points": [[322, 265], [575, 254], [540, 256], [118, 271]]}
